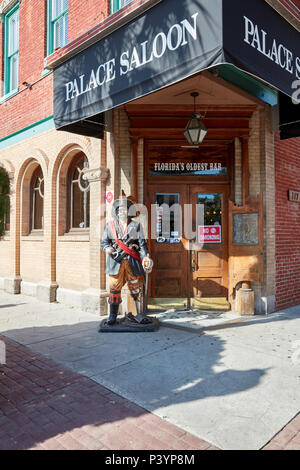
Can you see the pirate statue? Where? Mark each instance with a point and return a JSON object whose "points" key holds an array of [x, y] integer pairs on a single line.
{"points": [[124, 242]]}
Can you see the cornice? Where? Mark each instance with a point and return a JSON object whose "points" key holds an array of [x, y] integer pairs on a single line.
{"points": [[279, 6], [7, 5]]}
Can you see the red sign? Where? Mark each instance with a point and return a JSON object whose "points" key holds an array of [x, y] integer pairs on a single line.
{"points": [[209, 234], [109, 197]]}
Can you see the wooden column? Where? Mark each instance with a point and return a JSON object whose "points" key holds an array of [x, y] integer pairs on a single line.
{"points": [[245, 169], [134, 169], [103, 179], [231, 150]]}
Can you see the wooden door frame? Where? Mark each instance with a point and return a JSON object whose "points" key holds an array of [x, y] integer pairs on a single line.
{"points": [[193, 188], [163, 188], [225, 190]]}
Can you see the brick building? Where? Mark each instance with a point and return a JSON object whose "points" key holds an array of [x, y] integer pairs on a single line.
{"points": [[243, 170]]}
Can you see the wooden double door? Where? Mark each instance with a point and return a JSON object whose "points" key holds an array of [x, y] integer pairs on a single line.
{"points": [[189, 241]]}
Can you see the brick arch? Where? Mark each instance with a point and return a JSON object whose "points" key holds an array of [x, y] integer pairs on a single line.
{"points": [[35, 158], [58, 170], [9, 167]]}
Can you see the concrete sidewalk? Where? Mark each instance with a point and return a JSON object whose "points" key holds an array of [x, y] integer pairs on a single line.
{"points": [[235, 386], [44, 406]]}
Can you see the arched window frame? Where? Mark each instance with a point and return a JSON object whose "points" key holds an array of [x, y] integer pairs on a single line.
{"points": [[72, 180], [36, 190], [7, 216]]}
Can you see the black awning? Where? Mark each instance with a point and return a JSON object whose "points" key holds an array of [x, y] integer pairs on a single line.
{"points": [[91, 127], [289, 117], [172, 41]]}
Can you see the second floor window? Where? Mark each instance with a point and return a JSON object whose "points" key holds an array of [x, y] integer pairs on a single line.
{"points": [[11, 53], [117, 4], [57, 24]]}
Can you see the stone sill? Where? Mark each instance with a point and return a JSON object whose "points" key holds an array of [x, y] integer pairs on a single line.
{"points": [[32, 238], [75, 236]]}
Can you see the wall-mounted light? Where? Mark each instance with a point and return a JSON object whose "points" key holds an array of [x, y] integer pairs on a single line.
{"points": [[195, 130], [28, 85]]}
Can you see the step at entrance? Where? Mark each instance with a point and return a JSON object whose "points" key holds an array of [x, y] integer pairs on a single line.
{"points": [[213, 304]]}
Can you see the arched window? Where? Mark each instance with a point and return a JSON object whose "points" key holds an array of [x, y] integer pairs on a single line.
{"points": [[4, 201], [37, 200], [7, 215], [79, 194]]}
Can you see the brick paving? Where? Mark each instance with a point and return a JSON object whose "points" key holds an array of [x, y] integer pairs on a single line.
{"points": [[288, 438], [44, 406]]}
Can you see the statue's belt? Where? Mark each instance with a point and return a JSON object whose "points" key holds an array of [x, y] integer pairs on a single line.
{"points": [[122, 245]]}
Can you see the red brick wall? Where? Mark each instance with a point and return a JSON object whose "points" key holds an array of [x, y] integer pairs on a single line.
{"points": [[85, 15], [287, 176], [293, 6], [30, 106]]}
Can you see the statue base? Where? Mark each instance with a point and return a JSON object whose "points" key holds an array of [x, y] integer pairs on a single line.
{"points": [[128, 324]]}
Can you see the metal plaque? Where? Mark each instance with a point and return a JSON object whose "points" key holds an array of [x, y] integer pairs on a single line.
{"points": [[245, 229]]}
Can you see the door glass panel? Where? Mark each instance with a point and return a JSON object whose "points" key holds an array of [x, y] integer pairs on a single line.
{"points": [[211, 231], [168, 217]]}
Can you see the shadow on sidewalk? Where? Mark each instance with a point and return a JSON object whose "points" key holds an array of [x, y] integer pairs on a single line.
{"points": [[51, 387]]}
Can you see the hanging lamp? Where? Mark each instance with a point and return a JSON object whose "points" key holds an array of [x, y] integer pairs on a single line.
{"points": [[195, 130]]}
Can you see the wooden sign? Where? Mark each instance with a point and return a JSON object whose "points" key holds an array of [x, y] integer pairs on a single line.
{"points": [[294, 196]]}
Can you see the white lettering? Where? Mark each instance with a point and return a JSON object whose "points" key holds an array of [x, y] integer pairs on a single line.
{"points": [[191, 29], [99, 69], [75, 89], [249, 29], [178, 37], [144, 54], [274, 53], [163, 45], [69, 88], [81, 83], [281, 49], [256, 40], [298, 67], [289, 61], [296, 94], [264, 44], [278, 53], [110, 70], [135, 60], [124, 63], [93, 81]]}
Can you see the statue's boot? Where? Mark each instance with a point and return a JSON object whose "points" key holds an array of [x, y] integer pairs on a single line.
{"points": [[113, 312]]}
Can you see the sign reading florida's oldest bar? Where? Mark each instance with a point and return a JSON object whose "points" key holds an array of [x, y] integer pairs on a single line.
{"points": [[172, 41]]}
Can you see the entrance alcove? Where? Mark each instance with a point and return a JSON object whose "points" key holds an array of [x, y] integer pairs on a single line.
{"points": [[199, 275]]}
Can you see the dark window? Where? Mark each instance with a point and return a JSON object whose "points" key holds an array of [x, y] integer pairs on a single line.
{"points": [[79, 194], [37, 200], [7, 215]]}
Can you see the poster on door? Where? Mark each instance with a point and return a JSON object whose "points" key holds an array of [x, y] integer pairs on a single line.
{"points": [[209, 234]]}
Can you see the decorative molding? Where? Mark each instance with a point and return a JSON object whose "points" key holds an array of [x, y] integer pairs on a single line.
{"points": [[7, 5], [287, 14], [98, 174]]}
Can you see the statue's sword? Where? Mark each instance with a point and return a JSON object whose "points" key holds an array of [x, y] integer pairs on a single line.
{"points": [[142, 317], [146, 294]]}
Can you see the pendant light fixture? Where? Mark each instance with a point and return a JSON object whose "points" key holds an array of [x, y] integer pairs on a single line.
{"points": [[195, 130]]}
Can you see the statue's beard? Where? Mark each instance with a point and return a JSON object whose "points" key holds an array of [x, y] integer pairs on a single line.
{"points": [[123, 216]]}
